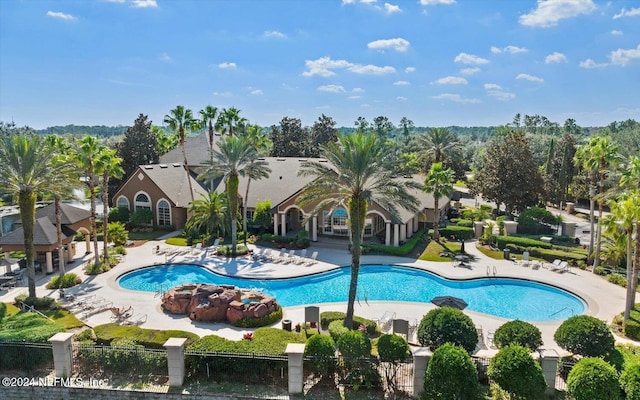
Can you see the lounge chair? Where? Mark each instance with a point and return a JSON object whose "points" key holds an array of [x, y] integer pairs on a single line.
{"points": [[301, 258], [563, 266], [312, 260], [257, 255], [119, 314], [280, 257], [136, 320], [267, 255], [556, 263], [289, 257], [386, 320]]}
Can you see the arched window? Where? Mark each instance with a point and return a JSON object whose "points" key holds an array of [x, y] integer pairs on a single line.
{"points": [[142, 202], [123, 202], [164, 213]]}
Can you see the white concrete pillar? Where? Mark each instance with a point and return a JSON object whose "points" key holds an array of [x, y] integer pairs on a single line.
{"points": [[549, 363], [510, 227], [284, 224], [275, 224], [87, 243], [295, 351], [416, 223], [175, 360], [61, 347], [403, 232], [314, 228], [49, 261], [421, 358], [410, 227], [396, 235], [387, 233]]}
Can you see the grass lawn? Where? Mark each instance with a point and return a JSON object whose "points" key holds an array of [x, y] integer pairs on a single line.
{"points": [[146, 235], [433, 250], [64, 318]]}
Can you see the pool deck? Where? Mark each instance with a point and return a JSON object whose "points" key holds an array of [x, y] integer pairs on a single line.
{"points": [[604, 299]]}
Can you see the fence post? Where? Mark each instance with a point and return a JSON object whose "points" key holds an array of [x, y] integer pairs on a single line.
{"points": [[421, 358], [175, 360], [61, 348], [295, 351], [549, 363]]}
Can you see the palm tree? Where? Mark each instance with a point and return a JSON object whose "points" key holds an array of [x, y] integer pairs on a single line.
{"points": [[439, 183], [166, 141], [26, 171], [355, 177], [631, 210], [607, 155], [585, 159], [437, 143], [87, 153], [407, 126], [208, 215], [209, 117], [235, 157], [109, 166], [230, 118], [181, 119]]}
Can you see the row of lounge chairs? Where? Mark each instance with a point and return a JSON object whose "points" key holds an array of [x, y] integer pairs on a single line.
{"points": [[389, 323], [286, 257], [11, 279], [126, 316]]}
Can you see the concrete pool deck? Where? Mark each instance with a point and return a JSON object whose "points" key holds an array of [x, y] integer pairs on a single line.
{"points": [[604, 300]]}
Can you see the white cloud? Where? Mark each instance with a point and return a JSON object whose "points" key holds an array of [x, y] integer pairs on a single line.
{"points": [[164, 57], [357, 90], [470, 59], [61, 15], [114, 1], [410, 70], [144, 3], [555, 57], [623, 57], [331, 88], [492, 86], [616, 32], [401, 98], [371, 69], [501, 95], [470, 71], [401, 83], [397, 44], [634, 12], [530, 78], [222, 94], [455, 98], [508, 49], [589, 63], [354, 97], [435, 2], [256, 92], [549, 12], [450, 80], [227, 65], [323, 66], [391, 8], [273, 35]]}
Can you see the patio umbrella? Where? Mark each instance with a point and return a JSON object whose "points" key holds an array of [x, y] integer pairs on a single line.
{"points": [[449, 301]]}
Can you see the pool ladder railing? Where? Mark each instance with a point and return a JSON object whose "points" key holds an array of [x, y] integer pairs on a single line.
{"points": [[489, 270], [562, 309], [159, 291]]}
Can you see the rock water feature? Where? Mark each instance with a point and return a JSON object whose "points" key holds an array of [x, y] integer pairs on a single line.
{"points": [[212, 303]]}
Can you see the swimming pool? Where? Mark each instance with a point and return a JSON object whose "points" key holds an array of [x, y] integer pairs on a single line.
{"points": [[502, 297]]}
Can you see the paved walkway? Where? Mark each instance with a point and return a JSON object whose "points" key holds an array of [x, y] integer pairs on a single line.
{"points": [[604, 299]]}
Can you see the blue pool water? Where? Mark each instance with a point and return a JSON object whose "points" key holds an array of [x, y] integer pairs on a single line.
{"points": [[502, 297]]}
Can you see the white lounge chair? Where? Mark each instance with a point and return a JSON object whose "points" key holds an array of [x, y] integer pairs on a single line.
{"points": [[301, 258], [563, 266], [257, 255], [386, 320], [280, 257], [556, 263], [289, 257], [312, 260]]}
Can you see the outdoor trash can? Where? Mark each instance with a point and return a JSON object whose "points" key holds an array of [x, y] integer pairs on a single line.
{"points": [[286, 324], [507, 254]]}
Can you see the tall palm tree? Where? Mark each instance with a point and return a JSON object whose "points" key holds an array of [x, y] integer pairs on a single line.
{"points": [[606, 152], [180, 120], [87, 153], [439, 182], [235, 157], [209, 116], [437, 143], [356, 176], [166, 141], [26, 171], [208, 214], [230, 118], [585, 159], [109, 165], [631, 209]]}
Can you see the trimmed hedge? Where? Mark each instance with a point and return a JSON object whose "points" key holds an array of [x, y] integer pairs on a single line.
{"points": [[321, 350], [336, 329], [585, 335], [503, 241], [450, 374], [327, 317], [632, 325], [518, 332], [267, 320], [392, 348], [403, 250], [446, 324], [593, 378], [467, 223], [515, 370], [630, 382], [459, 232], [151, 338], [66, 281]]}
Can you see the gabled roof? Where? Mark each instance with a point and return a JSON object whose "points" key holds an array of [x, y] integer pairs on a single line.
{"points": [[44, 234], [171, 180], [69, 214], [197, 150]]}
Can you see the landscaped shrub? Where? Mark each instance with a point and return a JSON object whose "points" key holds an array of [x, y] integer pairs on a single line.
{"points": [[39, 303], [142, 216], [267, 320], [450, 374], [66, 281], [446, 324], [458, 232], [117, 233], [329, 316], [464, 222], [176, 241], [3, 310], [241, 249], [119, 214], [585, 335], [392, 348], [518, 332], [503, 241], [600, 271], [358, 368], [630, 381], [151, 338], [336, 329], [354, 344], [403, 250], [617, 279], [321, 351], [632, 325], [536, 220], [552, 254], [593, 378], [517, 372]]}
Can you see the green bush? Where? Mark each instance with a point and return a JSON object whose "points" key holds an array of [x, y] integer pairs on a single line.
{"points": [[267, 320], [458, 232], [39, 303], [517, 372], [336, 329], [142, 216], [552, 254], [518, 332], [464, 222], [403, 250], [617, 279], [321, 351], [151, 338], [176, 241], [600, 271], [392, 348], [445, 324], [503, 241], [66, 281], [585, 335], [354, 344], [329, 316], [450, 374], [117, 233], [3, 310], [119, 214], [95, 269], [632, 328], [593, 378], [241, 249], [630, 381]]}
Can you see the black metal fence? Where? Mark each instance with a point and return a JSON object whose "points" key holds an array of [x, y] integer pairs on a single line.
{"points": [[26, 357]]}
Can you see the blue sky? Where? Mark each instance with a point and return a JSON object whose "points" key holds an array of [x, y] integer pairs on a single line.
{"points": [[436, 62]]}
